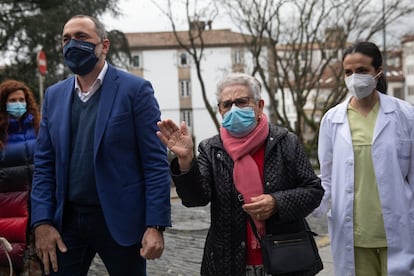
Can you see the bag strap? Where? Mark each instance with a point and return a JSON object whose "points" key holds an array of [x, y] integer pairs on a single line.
{"points": [[249, 218]]}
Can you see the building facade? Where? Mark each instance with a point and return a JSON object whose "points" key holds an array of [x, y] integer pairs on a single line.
{"points": [[407, 47], [158, 57], [161, 57]]}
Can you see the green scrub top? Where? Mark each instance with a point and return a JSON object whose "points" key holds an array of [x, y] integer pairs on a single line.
{"points": [[369, 228]]}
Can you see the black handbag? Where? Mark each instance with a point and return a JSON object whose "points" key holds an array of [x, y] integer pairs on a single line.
{"points": [[290, 253]]}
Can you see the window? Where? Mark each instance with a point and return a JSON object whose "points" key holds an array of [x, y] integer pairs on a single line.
{"points": [[136, 61], [238, 56], [187, 116], [331, 53], [410, 69], [183, 59], [410, 90], [185, 88], [409, 50], [398, 93], [304, 55]]}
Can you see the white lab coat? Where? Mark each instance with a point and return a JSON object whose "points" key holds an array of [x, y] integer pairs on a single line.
{"points": [[393, 160]]}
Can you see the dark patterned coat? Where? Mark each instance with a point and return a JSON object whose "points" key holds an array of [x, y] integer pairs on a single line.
{"points": [[288, 177]]}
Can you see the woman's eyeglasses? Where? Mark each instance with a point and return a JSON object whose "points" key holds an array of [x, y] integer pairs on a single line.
{"points": [[239, 102]]}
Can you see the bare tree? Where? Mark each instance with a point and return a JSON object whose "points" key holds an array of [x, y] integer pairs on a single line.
{"points": [[27, 26], [192, 41], [304, 40]]}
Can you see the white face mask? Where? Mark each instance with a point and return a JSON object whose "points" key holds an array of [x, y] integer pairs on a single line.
{"points": [[360, 85]]}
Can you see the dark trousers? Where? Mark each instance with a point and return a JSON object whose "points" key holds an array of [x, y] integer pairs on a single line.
{"points": [[85, 233]]}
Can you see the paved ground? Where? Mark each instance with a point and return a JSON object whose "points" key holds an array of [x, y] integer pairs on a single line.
{"points": [[185, 241]]}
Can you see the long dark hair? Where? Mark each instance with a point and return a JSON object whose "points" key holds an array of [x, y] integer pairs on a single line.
{"points": [[6, 88], [371, 50]]}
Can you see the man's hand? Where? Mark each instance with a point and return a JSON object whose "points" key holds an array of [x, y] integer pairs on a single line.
{"points": [[152, 244], [47, 237]]}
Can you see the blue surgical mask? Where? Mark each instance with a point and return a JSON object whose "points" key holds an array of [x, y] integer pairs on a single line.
{"points": [[239, 121], [80, 56], [16, 109]]}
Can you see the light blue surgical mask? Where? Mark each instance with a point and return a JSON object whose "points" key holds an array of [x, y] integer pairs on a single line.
{"points": [[16, 109], [239, 121]]}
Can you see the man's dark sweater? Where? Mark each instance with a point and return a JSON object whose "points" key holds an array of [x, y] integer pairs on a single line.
{"points": [[82, 183]]}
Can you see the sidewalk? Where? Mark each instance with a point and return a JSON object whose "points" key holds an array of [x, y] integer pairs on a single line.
{"points": [[184, 243], [326, 255], [322, 241]]}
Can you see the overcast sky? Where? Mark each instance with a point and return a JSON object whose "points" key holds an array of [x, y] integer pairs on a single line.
{"points": [[144, 16], [137, 16]]}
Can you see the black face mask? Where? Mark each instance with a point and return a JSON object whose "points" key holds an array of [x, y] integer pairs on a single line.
{"points": [[80, 56]]}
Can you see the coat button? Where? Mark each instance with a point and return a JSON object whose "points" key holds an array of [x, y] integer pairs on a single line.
{"points": [[348, 219], [243, 244]]}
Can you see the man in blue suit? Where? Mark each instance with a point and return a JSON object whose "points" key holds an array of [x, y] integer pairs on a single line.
{"points": [[101, 182]]}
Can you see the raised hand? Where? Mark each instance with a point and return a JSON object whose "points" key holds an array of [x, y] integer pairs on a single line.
{"points": [[178, 140]]}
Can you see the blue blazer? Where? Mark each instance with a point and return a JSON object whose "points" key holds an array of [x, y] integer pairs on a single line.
{"points": [[130, 162]]}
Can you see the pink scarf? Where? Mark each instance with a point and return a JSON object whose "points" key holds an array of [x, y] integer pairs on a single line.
{"points": [[246, 175]]}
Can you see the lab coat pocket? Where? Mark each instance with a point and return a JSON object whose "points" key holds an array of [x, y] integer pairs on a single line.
{"points": [[403, 153]]}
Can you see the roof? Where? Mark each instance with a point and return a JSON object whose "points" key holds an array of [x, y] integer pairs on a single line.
{"points": [[330, 75], [228, 38], [166, 40], [407, 38], [394, 74]]}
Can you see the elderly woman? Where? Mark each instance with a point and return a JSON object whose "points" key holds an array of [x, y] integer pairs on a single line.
{"points": [[250, 169]]}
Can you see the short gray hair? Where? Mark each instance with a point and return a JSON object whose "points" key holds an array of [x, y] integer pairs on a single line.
{"points": [[99, 27], [242, 79]]}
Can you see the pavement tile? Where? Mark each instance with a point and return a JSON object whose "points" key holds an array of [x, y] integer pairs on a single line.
{"points": [[184, 243]]}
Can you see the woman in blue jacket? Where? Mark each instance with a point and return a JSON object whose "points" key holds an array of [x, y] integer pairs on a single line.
{"points": [[19, 123]]}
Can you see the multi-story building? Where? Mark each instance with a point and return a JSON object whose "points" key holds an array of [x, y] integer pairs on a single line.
{"points": [[158, 57], [407, 47], [394, 73]]}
